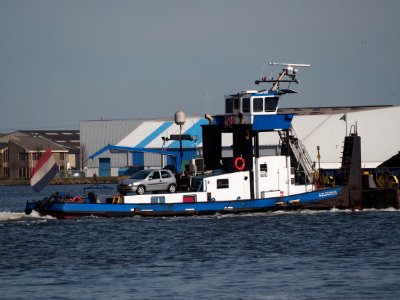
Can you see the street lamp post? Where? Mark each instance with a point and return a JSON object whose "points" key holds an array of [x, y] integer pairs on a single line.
{"points": [[180, 119]]}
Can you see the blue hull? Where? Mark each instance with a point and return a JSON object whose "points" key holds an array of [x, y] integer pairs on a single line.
{"points": [[321, 199]]}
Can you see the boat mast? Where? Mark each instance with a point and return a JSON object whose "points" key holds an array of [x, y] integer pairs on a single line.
{"points": [[288, 70]]}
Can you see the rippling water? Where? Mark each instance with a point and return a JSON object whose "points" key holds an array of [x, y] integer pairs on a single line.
{"points": [[276, 255]]}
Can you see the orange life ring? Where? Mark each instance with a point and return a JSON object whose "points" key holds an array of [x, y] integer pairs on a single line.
{"points": [[228, 121], [240, 163], [77, 199]]}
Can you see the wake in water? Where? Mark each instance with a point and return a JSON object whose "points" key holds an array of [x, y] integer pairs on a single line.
{"points": [[15, 216], [305, 212], [8, 216], [277, 213]]}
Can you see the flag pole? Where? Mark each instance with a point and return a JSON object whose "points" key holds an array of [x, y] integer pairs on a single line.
{"points": [[344, 118]]}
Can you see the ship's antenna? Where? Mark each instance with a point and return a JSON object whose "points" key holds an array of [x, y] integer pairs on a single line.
{"points": [[262, 73], [262, 70], [288, 71]]}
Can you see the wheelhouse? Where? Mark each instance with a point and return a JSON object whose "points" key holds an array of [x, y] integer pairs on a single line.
{"points": [[249, 104]]}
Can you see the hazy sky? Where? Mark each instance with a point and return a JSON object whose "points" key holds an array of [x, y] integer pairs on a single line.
{"points": [[66, 61]]}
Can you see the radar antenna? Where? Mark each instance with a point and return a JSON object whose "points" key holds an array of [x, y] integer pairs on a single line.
{"points": [[288, 71]]}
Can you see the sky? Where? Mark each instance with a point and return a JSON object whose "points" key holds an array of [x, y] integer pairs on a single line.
{"points": [[66, 61]]}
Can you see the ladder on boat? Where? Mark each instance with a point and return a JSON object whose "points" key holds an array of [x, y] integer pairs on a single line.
{"points": [[299, 153]]}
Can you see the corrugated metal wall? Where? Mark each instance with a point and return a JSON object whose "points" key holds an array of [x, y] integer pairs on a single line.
{"points": [[152, 160], [94, 135]]}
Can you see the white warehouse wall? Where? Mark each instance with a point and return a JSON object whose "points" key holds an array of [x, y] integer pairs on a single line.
{"points": [[378, 129]]}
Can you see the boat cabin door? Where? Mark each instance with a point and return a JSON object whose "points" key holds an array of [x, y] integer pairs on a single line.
{"points": [[233, 106]]}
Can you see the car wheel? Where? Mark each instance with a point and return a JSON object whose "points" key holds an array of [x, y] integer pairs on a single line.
{"points": [[140, 190], [172, 188]]}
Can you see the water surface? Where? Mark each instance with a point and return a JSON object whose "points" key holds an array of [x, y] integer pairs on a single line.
{"points": [[275, 255]]}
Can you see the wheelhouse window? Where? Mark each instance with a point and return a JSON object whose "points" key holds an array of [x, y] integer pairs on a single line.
{"points": [[222, 183], [271, 103], [229, 105], [258, 104], [246, 105]]}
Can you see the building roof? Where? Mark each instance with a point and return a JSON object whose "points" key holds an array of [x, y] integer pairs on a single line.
{"points": [[36, 143], [69, 139], [329, 110], [8, 136]]}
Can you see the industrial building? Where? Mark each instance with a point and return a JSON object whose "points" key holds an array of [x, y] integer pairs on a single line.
{"points": [[150, 134], [108, 142], [20, 154], [94, 135], [377, 126]]}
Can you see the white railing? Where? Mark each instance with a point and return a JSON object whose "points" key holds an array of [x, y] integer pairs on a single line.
{"points": [[300, 153]]}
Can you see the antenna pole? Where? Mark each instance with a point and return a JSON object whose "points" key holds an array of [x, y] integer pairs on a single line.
{"points": [[288, 70]]}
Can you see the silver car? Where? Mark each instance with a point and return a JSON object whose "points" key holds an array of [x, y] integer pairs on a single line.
{"points": [[148, 181]]}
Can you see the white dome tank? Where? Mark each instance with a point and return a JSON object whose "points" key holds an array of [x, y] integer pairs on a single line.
{"points": [[180, 118]]}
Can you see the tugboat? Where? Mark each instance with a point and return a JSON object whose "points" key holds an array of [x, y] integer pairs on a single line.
{"points": [[246, 182]]}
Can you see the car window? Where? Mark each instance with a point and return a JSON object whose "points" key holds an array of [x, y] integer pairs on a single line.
{"points": [[140, 175], [156, 175], [165, 174]]}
